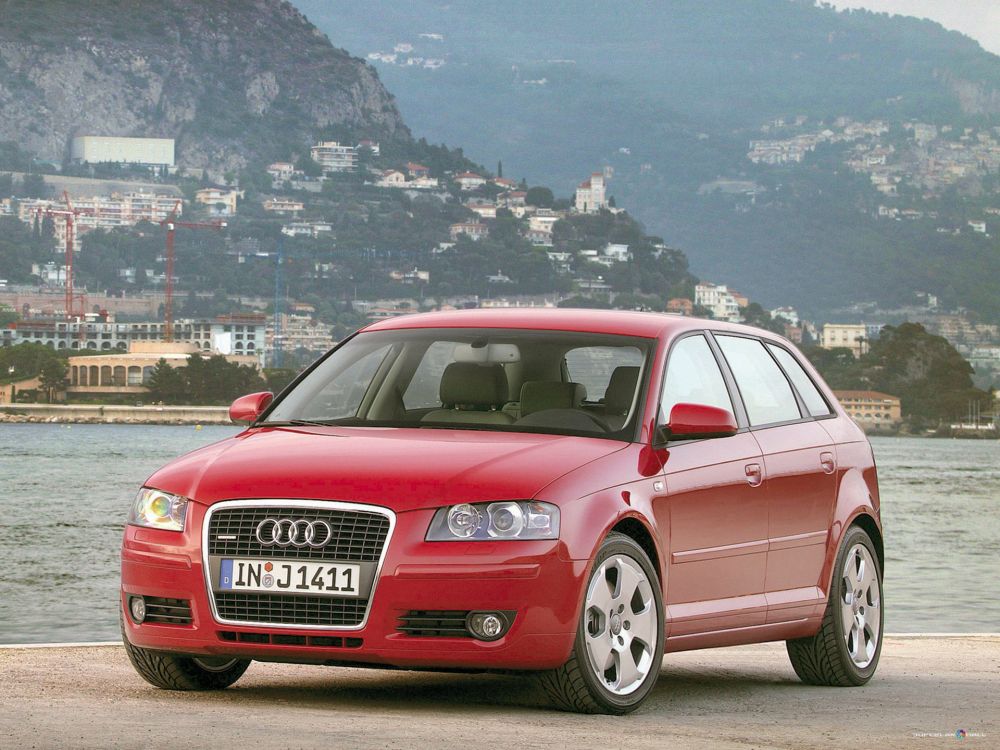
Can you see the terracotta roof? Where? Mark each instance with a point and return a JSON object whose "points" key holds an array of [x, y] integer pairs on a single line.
{"points": [[468, 175]]}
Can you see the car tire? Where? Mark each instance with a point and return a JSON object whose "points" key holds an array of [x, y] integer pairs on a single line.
{"points": [[622, 617], [175, 672], [846, 650]]}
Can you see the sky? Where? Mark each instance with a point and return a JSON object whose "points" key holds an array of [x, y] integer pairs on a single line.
{"points": [[979, 19]]}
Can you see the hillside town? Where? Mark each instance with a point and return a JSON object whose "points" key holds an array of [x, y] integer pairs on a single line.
{"points": [[115, 341], [919, 161]]}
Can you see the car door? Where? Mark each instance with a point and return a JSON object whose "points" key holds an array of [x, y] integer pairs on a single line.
{"points": [[712, 506], [799, 466]]}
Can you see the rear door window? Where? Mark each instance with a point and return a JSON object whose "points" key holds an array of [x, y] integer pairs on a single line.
{"points": [[766, 393]]}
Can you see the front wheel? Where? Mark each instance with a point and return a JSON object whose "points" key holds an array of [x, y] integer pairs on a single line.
{"points": [[618, 650], [846, 649], [174, 672]]}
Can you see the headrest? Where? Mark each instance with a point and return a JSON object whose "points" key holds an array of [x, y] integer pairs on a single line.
{"points": [[621, 390], [538, 395], [467, 383]]}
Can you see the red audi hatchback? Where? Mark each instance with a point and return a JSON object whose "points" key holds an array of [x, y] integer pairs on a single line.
{"points": [[570, 492]]}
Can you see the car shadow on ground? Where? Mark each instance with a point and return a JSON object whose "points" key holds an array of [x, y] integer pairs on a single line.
{"points": [[677, 690]]}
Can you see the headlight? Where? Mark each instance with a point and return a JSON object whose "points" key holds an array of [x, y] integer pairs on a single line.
{"points": [[521, 519], [158, 510]]}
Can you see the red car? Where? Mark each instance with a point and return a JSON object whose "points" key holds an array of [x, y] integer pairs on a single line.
{"points": [[563, 491]]}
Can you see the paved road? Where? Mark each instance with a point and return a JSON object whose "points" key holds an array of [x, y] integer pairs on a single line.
{"points": [[745, 697]]}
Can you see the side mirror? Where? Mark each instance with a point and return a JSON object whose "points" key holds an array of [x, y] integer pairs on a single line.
{"points": [[697, 422], [246, 409]]}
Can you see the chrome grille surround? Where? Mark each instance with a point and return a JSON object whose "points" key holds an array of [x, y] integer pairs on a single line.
{"points": [[291, 506]]}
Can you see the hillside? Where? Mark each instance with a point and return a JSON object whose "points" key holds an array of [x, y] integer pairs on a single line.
{"points": [[233, 81], [670, 94]]}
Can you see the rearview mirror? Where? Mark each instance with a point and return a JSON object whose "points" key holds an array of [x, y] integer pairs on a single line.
{"points": [[697, 422], [247, 409]]}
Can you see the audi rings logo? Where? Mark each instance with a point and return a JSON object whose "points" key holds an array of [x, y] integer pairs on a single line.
{"points": [[284, 532]]}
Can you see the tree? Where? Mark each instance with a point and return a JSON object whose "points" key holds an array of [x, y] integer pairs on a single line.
{"points": [[309, 166], [499, 169], [33, 186], [931, 378], [167, 384], [755, 315], [52, 377], [539, 196]]}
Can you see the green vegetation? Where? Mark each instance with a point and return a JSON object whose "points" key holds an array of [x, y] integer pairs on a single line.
{"points": [[204, 381], [932, 380]]}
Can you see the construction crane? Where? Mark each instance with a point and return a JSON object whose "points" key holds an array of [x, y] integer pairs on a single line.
{"points": [[69, 214], [171, 224]]}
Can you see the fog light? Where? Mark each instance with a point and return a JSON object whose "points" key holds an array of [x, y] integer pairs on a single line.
{"points": [[137, 608], [486, 626]]}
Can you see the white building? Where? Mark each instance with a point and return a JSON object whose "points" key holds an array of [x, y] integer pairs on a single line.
{"points": [[469, 180], [99, 149], [333, 157], [590, 195], [788, 314], [101, 212], [719, 300]]}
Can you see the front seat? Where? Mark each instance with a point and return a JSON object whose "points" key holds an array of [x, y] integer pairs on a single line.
{"points": [[471, 394], [618, 396]]}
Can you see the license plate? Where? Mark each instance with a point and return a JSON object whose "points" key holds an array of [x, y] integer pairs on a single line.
{"points": [[324, 578]]}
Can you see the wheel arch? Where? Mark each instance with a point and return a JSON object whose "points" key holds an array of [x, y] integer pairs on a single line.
{"points": [[637, 531], [868, 523]]}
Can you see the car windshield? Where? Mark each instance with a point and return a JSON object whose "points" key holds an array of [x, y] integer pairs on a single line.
{"points": [[482, 379]]}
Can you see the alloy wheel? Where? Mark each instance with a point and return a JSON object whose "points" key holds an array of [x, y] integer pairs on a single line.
{"points": [[621, 625], [860, 604]]}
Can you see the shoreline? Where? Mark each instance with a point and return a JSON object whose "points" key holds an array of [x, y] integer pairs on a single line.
{"points": [[113, 414], [219, 415]]}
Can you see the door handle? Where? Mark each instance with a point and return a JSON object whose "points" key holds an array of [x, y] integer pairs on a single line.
{"points": [[827, 461], [755, 475]]}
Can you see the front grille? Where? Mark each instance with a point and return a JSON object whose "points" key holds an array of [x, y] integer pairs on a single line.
{"points": [[436, 623], [283, 609], [168, 611], [358, 536]]}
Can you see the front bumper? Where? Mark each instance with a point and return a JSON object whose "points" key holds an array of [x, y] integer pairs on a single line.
{"points": [[535, 580]]}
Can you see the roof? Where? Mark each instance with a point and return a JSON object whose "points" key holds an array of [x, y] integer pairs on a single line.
{"points": [[468, 176], [621, 322], [869, 395]]}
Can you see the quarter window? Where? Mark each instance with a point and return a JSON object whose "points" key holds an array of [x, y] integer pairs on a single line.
{"points": [[814, 401], [765, 390], [693, 377]]}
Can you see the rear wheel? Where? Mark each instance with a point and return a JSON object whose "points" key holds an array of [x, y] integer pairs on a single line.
{"points": [[618, 650], [846, 649], [173, 672]]}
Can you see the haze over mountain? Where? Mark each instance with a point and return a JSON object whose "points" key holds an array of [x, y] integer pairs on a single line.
{"points": [[670, 93]]}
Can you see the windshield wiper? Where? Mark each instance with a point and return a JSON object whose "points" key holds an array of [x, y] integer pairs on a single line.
{"points": [[297, 423]]}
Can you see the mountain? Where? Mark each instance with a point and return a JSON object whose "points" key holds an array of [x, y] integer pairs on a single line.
{"points": [[231, 80], [669, 93]]}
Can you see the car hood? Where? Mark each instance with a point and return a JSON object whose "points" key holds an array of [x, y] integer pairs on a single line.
{"points": [[402, 469]]}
